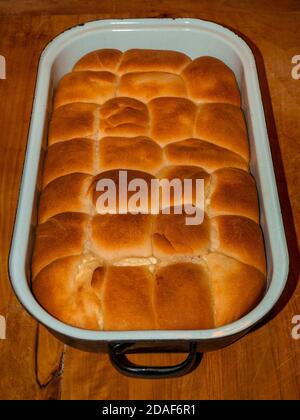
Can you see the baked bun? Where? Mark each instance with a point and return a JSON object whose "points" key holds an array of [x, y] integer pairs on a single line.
{"points": [[129, 289], [130, 153], [182, 173], [60, 236], [233, 192], [201, 153], [65, 289], [126, 262], [86, 86], [172, 119], [236, 287], [69, 157], [124, 203], [210, 80], [118, 236], [139, 60], [106, 59], [173, 237], [66, 192], [224, 126], [74, 120], [125, 117], [181, 289], [148, 85]]}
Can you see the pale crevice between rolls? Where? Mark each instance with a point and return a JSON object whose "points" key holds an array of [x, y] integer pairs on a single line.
{"points": [[97, 125]]}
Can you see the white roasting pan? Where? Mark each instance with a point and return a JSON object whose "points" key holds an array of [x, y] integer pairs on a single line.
{"points": [[195, 38]]}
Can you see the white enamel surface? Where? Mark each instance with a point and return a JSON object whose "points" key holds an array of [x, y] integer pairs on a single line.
{"points": [[195, 38]]}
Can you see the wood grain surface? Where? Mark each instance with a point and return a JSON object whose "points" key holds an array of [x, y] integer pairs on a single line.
{"points": [[263, 365]]}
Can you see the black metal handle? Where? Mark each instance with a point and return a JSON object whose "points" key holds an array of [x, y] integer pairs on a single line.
{"points": [[122, 364]]}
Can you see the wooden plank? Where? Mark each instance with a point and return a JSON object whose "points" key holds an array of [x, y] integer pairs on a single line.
{"points": [[18, 350], [134, 8], [18, 359], [266, 363], [49, 357], [253, 368]]}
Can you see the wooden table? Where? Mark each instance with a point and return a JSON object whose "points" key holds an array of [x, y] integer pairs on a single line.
{"points": [[263, 365]]}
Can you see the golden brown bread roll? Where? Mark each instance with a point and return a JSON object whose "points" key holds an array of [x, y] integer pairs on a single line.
{"points": [[124, 117], [240, 238], [106, 59], [236, 287], [180, 291], [210, 80], [66, 192], [85, 86], [74, 120], [233, 191], [201, 153], [223, 125], [172, 119], [183, 172], [60, 236], [124, 203], [152, 60], [171, 236], [156, 115], [68, 157], [119, 236], [130, 153], [129, 290], [148, 85], [65, 289]]}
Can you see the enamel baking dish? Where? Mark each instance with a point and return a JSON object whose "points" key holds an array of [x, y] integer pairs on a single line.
{"points": [[194, 38]]}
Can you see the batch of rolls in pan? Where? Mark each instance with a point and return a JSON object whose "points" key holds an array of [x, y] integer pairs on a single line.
{"points": [[156, 114]]}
